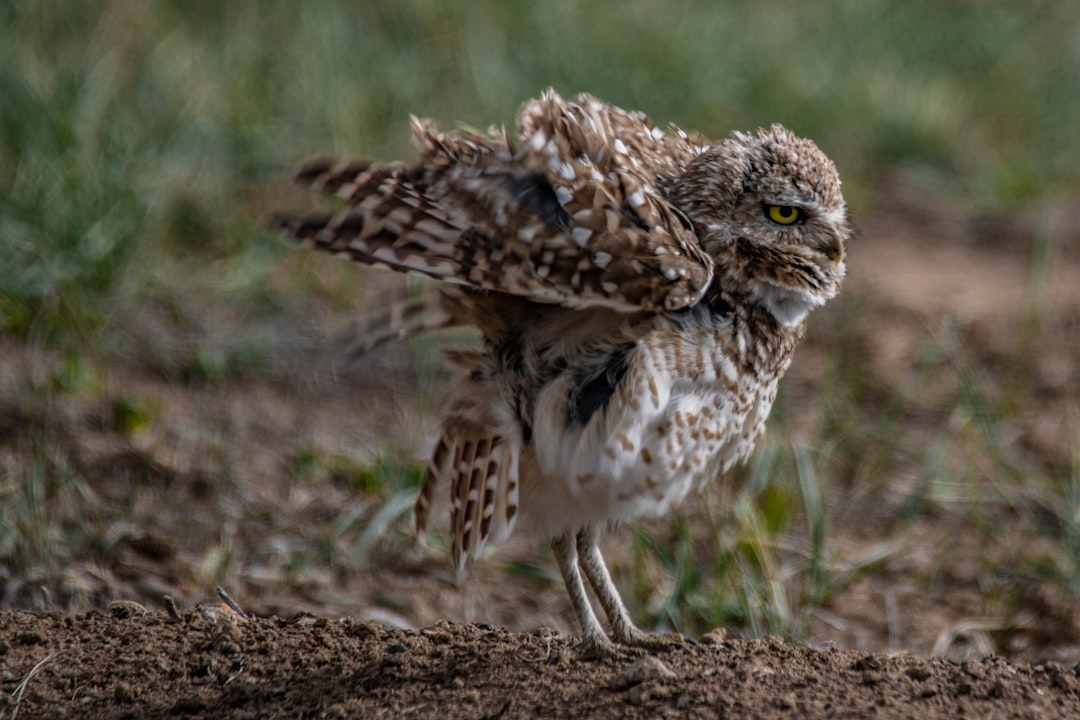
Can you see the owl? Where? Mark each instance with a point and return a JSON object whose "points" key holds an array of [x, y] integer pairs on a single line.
{"points": [[638, 292]]}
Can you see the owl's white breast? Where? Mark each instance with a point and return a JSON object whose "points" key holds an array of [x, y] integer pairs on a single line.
{"points": [[683, 415]]}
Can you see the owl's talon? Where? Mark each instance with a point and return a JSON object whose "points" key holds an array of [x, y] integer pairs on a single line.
{"points": [[599, 647], [636, 638]]}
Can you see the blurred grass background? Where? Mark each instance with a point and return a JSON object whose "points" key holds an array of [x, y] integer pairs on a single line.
{"points": [[143, 146], [138, 140]]}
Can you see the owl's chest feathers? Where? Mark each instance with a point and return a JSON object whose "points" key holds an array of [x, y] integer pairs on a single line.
{"points": [[637, 418]]}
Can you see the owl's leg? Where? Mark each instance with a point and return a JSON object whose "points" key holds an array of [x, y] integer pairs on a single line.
{"points": [[594, 643], [623, 629]]}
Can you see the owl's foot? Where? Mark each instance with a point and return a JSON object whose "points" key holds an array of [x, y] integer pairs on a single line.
{"points": [[634, 643], [598, 647], [632, 637]]}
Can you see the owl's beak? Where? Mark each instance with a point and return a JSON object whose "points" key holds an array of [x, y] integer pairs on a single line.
{"points": [[833, 248]]}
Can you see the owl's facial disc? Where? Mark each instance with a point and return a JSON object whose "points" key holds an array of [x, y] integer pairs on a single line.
{"points": [[788, 247]]}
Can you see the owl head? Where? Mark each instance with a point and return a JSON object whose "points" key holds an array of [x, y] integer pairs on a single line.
{"points": [[767, 207]]}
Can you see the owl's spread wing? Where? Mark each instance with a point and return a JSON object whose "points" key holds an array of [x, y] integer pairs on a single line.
{"points": [[571, 216]]}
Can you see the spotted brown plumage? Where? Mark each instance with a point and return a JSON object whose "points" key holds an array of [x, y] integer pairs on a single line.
{"points": [[638, 291]]}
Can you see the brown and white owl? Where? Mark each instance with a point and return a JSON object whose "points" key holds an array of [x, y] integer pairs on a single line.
{"points": [[639, 293]]}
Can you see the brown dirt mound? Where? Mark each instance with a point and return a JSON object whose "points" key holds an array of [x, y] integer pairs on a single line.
{"points": [[210, 662]]}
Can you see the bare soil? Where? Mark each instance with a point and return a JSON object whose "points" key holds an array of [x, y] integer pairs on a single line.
{"points": [[212, 663], [216, 488]]}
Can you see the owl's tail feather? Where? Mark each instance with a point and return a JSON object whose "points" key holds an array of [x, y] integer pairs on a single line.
{"points": [[436, 469], [387, 221], [380, 241], [483, 472], [328, 175], [401, 321], [483, 493]]}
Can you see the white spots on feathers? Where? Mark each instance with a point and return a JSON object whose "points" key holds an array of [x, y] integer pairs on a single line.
{"points": [[538, 140], [581, 235], [439, 231]]}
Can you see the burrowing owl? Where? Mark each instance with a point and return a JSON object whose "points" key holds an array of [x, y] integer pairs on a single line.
{"points": [[639, 293]]}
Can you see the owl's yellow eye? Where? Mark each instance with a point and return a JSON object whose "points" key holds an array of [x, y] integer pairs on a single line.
{"points": [[784, 214]]}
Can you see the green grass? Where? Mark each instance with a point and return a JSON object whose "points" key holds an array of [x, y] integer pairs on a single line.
{"points": [[143, 147]]}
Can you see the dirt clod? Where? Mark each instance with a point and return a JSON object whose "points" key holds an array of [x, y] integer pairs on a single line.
{"points": [[713, 637], [648, 669]]}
